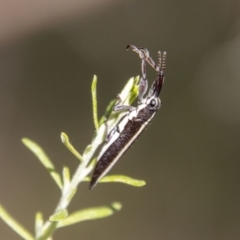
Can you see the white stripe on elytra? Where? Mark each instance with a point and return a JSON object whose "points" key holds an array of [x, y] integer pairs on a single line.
{"points": [[121, 125], [124, 149]]}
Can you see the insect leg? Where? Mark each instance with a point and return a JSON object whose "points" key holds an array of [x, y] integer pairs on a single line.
{"points": [[111, 133], [118, 107], [143, 83], [144, 54]]}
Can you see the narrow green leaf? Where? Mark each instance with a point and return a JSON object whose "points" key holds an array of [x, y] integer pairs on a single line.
{"points": [[116, 206], [44, 159], [90, 214], [16, 226], [120, 179], [127, 95], [134, 92], [38, 223], [66, 142], [59, 215], [123, 179], [129, 90], [66, 177], [94, 101], [107, 111]]}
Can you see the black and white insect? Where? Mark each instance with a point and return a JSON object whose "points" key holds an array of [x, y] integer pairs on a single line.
{"points": [[136, 119]]}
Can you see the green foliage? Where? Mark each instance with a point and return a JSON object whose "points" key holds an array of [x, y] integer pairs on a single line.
{"points": [[68, 185], [16, 226], [120, 179], [90, 214], [94, 101], [59, 215], [44, 159], [38, 223], [65, 141]]}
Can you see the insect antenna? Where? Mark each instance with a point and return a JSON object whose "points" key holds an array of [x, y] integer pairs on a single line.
{"points": [[163, 61], [159, 60]]}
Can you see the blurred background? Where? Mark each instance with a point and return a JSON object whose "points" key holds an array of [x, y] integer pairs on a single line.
{"points": [[189, 156]]}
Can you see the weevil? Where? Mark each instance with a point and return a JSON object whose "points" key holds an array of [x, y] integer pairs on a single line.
{"points": [[136, 119]]}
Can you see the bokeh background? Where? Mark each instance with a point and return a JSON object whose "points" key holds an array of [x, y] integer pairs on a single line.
{"points": [[189, 156]]}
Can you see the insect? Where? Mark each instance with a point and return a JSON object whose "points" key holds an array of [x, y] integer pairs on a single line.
{"points": [[136, 119]]}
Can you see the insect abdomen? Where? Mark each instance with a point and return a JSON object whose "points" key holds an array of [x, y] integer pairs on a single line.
{"points": [[130, 133]]}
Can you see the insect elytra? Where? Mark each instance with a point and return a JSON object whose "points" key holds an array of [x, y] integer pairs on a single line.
{"points": [[136, 119]]}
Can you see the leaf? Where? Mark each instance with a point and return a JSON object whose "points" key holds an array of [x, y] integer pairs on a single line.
{"points": [[127, 95], [121, 179], [129, 91], [90, 214], [66, 142], [134, 91], [16, 226], [66, 177], [38, 223], [44, 159], [107, 111], [94, 101], [59, 215]]}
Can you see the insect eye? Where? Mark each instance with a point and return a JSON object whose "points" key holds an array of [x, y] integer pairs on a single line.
{"points": [[152, 103]]}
